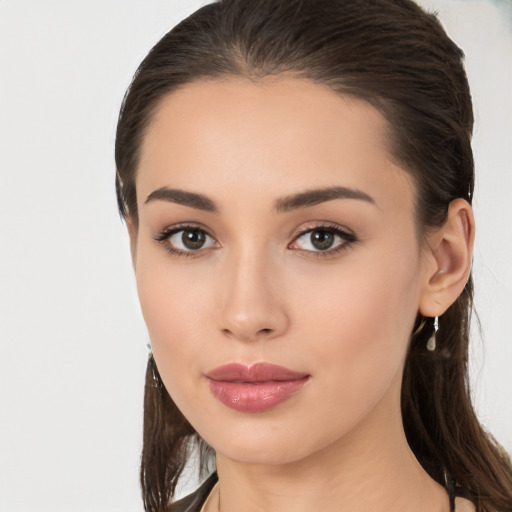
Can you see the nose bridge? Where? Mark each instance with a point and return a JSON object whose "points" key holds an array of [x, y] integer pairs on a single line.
{"points": [[252, 307]]}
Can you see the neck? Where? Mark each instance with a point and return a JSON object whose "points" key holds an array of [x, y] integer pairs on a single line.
{"points": [[370, 468]]}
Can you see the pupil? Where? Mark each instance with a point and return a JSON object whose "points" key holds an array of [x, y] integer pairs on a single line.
{"points": [[193, 239], [322, 239]]}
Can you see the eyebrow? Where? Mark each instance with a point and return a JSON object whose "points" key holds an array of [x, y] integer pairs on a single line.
{"points": [[192, 199], [284, 204], [317, 196]]}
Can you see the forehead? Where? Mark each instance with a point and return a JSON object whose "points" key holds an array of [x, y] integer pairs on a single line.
{"points": [[276, 135]]}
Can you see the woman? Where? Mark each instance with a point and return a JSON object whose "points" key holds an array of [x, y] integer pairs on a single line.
{"points": [[296, 177]]}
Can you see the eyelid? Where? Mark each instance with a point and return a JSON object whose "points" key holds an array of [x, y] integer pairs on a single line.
{"points": [[327, 225], [175, 228], [165, 234], [347, 236]]}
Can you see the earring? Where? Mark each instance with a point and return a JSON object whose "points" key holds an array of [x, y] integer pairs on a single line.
{"points": [[431, 343], [157, 383]]}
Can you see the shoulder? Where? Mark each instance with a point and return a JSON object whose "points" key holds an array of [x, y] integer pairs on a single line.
{"points": [[464, 505], [194, 501]]}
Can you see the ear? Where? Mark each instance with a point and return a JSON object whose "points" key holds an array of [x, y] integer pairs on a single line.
{"points": [[131, 224], [449, 255]]}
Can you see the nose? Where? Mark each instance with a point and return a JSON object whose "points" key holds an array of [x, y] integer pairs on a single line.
{"points": [[252, 302]]}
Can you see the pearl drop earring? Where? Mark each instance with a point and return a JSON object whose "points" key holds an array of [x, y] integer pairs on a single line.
{"points": [[431, 343]]}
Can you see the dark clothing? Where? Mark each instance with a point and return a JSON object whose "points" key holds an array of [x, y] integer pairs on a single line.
{"points": [[193, 502]]}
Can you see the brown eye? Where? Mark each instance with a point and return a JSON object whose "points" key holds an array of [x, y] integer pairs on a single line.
{"points": [[193, 239], [322, 239], [187, 239]]}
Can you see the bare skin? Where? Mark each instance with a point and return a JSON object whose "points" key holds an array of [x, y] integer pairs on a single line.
{"points": [[259, 290]]}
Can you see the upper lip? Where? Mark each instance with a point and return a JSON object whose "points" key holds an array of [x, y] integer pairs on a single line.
{"points": [[258, 372]]}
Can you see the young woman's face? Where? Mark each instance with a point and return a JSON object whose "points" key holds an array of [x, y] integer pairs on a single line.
{"points": [[275, 229]]}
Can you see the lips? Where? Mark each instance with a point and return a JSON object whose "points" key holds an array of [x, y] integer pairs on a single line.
{"points": [[254, 388]]}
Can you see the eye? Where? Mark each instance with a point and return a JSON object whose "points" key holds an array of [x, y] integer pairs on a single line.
{"points": [[326, 239], [183, 240]]}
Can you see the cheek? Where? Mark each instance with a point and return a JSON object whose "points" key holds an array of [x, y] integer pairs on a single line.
{"points": [[173, 306], [359, 320]]}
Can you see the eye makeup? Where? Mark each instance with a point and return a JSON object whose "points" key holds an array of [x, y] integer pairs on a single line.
{"points": [[194, 240], [321, 240], [330, 239]]}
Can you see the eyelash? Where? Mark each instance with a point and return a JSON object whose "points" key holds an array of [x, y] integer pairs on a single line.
{"points": [[167, 233], [347, 237]]}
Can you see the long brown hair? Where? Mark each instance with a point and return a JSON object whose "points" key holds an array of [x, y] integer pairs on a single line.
{"points": [[397, 57]]}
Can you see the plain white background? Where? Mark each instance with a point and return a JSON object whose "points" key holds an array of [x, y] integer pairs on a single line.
{"points": [[72, 340]]}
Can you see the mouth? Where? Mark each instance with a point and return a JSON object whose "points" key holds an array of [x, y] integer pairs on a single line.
{"points": [[254, 388]]}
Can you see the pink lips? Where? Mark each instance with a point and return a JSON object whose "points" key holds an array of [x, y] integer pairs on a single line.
{"points": [[254, 388]]}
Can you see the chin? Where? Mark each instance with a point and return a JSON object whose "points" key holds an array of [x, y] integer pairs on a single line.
{"points": [[257, 455], [269, 445]]}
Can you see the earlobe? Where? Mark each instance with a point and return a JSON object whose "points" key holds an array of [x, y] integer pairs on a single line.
{"points": [[132, 233], [450, 256]]}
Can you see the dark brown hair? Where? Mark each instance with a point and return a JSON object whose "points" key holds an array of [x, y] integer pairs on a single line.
{"points": [[398, 58]]}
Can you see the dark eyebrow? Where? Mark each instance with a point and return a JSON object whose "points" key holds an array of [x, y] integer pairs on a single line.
{"points": [[317, 196], [191, 199], [285, 204]]}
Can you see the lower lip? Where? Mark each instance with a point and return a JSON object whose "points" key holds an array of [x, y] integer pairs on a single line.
{"points": [[255, 396]]}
